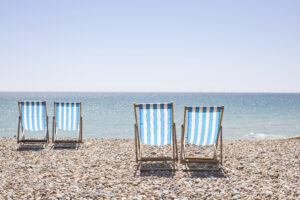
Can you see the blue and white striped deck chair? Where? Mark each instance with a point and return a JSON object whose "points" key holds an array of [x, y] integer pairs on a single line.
{"points": [[67, 117], [33, 117], [204, 128], [154, 126]]}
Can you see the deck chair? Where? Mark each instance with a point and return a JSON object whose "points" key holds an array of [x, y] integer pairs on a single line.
{"points": [[204, 128], [155, 127], [67, 117], [33, 117]]}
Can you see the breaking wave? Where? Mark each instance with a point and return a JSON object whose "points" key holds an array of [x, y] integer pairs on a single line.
{"points": [[261, 136]]}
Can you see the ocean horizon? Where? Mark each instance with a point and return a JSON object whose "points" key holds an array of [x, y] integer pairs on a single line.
{"points": [[111, 115]]}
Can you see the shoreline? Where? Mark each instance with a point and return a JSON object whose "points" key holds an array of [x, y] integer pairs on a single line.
{"points": [[106, 168], [179, 139]]}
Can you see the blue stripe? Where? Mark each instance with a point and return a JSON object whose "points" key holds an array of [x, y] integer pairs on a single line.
{"points": [[217, 123], [203, 125], [22, 114], [76, 117], [169, 124], [62, 115], [67, 116], [38, 116], [72, 116], [44, 115], [155, 123], [64, 119], [162, 123], [32, 116], [38, 107], [189, 124], [57, 114], [209, 134], [42, 107], [141, 124], [148, 123], [78, 113], [196, 125], [74, 106], [27, 115]]}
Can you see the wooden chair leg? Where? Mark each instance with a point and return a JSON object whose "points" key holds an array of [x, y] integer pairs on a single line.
{"points": [[80, 129], [182, 141], [176, 150], [18, 138], [135, 144], [221, 145], [47, 133], [173, 139], [53, 129]]}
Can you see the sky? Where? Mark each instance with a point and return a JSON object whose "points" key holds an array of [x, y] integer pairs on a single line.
{"points": [[150, 46]]}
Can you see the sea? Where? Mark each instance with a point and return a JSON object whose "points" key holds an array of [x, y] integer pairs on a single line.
{"points": [[247, 116]]}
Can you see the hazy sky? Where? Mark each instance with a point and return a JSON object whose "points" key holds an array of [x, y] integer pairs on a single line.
{"points": [[164, 45]]}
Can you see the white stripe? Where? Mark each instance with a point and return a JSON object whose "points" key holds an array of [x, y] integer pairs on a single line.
{"points": [[25, 116], [65, 117], [193, 125], [213, 125], [41, 116], [158, 125], [74, 116], [145, 123], [199, 126], [206, 125], [151, 125], [35, 116], [59, 115], [30, 116], [166, 122], [69, 125]]}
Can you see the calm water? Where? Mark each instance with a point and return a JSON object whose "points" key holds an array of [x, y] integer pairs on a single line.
{"points": [[110, 115]]}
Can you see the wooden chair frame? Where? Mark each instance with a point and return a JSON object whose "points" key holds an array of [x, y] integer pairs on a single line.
{"points": [[21, 129], [212, 160], [54, 129], [138, 150]]}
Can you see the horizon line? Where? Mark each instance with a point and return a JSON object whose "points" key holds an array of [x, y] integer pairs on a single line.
{"points": [[237, 92]]}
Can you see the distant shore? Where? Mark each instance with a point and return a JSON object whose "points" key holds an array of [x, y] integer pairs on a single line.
{"points": [[106, 168]]}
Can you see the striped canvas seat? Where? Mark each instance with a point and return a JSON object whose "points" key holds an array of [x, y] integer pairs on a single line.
{"points": [[33, 115], [155, 124], [203, 125], [154, 127], [67, 116], [204, 128]]}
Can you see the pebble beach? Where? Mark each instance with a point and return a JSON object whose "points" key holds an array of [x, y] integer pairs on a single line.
{"points": [[106, 169]]}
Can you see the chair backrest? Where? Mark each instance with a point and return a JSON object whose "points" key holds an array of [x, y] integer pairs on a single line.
{"points": [[156, 123], [33, 115], [203, 125], [67, 115]]}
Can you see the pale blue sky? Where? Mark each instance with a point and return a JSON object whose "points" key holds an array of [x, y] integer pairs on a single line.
{"points": [[191, 46]]}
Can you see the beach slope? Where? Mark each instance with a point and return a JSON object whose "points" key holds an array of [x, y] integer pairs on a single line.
{"points": [[106, 168]]}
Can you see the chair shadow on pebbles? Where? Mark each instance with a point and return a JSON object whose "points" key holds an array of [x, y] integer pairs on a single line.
{"points": [[197, 170], [31, 147], [66, 145], [160, 169]]}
